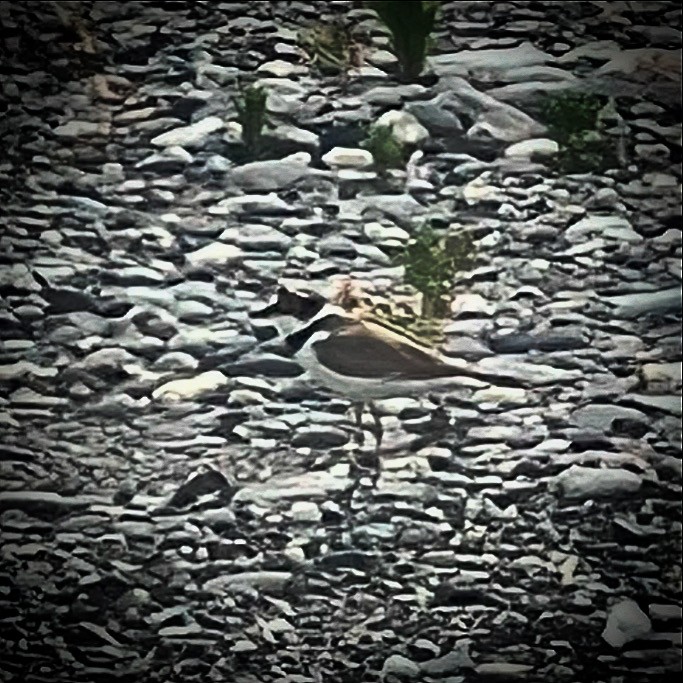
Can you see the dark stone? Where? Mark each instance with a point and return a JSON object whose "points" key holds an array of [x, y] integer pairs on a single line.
{"points": [[348, 559], [268, 366], [200, 485], [447, 595], [513, 343]]}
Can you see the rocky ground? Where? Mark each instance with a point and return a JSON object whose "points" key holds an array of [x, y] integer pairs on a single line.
{"points": [[178, 503]]}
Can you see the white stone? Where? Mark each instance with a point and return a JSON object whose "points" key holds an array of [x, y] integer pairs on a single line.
{"points": [[541, 147], [189, 388], [282, 69], [190, 136], [298, 136], [346, 157], [305, 511], [404, 127], [214, 253], [626, 622], [472, 303]]}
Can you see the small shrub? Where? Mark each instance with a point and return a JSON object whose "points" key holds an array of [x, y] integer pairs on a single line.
{"points": [[572, 119], [431, 263], [251, 113], [386, 151], [410, 24]]}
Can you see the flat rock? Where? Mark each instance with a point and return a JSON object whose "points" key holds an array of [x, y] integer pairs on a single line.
{"points": [[539, 147], [191, 387], [217, 252], [530, 374], [496, 60], [602, 415], [267, 176], [583, 483], [190, 136], [646, 303], [603, 226]]}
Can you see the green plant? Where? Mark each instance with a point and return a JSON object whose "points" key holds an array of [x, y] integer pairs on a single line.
{"points": [[431, 263], [251, 114], [386, 151], [572, 120], [410, 24]]}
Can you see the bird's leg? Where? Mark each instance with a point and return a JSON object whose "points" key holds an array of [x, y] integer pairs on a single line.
{"points": [[377, 432], [358, 413]]}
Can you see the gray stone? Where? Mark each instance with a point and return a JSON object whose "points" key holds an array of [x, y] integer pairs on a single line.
{"points": [[668, 404], [393, 95], [257, 204], [665, 612], [436, 115], [399, 207], [602, 415], [398, 665], [265, 580], [76, 129], [584, 483], [530, 374], [297, 136], [625, 622], [492, 120], [603, 226], [266, 176], [530, 91], [646, 303], [503, 670], [456, 660], [495, 60], [257, 238]]}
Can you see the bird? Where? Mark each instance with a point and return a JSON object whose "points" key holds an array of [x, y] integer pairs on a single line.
{"points": [[360, 359]]}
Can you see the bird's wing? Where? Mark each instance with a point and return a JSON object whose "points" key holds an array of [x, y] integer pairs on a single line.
{"points": [[361, 350]]}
